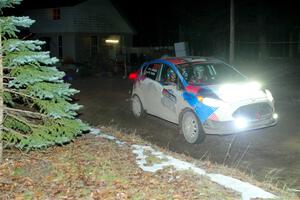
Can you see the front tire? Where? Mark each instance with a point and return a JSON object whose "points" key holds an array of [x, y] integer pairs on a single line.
{"points": [[191, 128], [137, 107]]}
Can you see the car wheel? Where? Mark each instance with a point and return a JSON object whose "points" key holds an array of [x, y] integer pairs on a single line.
{"points": [[191, 128], [137, 107]]}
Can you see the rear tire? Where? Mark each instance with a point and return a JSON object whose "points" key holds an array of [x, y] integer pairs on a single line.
{"points": [[137, 107], [191, 128]]}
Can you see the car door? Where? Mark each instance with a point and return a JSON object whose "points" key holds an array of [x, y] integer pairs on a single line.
{"points": [[170, 93], [151, 89]]}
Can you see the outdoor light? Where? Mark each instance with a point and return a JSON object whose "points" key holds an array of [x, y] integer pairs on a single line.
{"points": [[241, 122], [111, 41], [275, 116]]}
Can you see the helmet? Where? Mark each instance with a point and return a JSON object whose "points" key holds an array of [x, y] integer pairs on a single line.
{"points": [[199, 72], [171, 75]]}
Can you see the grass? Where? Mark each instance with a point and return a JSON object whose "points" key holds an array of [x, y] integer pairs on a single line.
{"points": [[95, 168]]}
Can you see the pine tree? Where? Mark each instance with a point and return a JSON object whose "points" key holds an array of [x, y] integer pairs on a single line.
{"points": [[36, 110]]}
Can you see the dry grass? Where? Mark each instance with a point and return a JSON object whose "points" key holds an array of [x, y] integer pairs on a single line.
{"points": [[95, 168], [270, 182]]}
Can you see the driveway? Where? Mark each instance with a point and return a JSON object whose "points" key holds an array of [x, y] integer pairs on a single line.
{"points": [[271, 154]]}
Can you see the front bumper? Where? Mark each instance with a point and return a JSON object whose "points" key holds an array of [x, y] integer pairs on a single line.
{"points": [[229, 127]]}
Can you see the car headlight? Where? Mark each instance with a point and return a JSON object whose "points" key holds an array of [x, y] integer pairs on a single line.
{"points": [[241, 122], [233, 88], [275, 116], [233, 92], [210, 101], [254, 85], [269, 95]]}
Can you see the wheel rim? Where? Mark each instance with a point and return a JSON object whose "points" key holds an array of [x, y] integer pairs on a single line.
{"points": [[190, 127], [136, 106]]}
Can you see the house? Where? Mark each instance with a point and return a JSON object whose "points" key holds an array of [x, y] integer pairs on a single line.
{"points": [[88, 31]]}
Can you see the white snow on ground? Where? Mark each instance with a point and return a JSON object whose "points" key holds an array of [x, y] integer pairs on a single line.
{"points": [[97, 132], [247, 190], [165, 160], [109, 137]]}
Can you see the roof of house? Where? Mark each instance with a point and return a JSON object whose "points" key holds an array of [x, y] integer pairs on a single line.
{"points": [[35, 4], [90, 16]]}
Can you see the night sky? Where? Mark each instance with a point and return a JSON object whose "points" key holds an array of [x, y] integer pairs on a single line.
{"points": [[158, 23]]}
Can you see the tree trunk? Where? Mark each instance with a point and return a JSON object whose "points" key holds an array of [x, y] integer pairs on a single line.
{"points": [[1, 103]]}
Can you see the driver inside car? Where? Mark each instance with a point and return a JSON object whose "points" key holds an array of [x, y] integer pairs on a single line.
{"points": [[198, 75], [171, 77]]}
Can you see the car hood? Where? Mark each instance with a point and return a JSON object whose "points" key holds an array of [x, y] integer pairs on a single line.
{"points": [[232, 92]]}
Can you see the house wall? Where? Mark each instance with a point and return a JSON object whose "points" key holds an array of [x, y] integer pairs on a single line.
{"points": [[45, 23], [69, 50], [103, 59], [77, 24], [68, 44], [92, 16]]}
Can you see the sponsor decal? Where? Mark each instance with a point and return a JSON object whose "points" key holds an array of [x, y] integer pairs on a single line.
{"points": [[169, 99]]}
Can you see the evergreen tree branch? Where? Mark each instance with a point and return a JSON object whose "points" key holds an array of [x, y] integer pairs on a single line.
{"points": [[14, 132], [8, 77], [19, 93], [27, 113], [22, 120]]}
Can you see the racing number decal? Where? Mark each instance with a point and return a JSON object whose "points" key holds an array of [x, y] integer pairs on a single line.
{"points": [[169, 99]]}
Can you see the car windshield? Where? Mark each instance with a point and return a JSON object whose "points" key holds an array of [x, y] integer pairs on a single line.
{"points": [[209, 73]]}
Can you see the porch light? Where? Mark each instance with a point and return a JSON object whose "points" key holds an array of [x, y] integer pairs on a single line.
{"points": [[110, 41]]}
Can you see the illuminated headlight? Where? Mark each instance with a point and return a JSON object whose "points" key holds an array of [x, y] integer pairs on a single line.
{"points": [[235, 92], [254, 85], [212, 102], [241, 122], [275, 116], [269, 95]]}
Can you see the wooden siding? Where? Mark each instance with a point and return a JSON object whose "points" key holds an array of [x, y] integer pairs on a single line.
{"points": [[91, 16]]}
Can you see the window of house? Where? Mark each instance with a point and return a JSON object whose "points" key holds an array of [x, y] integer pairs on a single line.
{"points": [[94, 45], [60, 47], [56, 13]]}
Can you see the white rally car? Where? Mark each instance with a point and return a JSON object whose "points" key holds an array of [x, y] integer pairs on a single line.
{"points": [[202, 95]]}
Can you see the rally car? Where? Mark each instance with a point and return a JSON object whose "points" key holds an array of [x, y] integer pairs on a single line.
{"points": [[201, 95]]}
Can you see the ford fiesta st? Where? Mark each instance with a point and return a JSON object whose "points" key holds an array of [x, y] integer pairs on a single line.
{"points": [[202, 95]]}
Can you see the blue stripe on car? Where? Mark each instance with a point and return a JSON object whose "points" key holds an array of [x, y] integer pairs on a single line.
{"points": [[202, 111]]}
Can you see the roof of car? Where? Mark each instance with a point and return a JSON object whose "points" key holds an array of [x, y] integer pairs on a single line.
{"points": [[188, 59]]}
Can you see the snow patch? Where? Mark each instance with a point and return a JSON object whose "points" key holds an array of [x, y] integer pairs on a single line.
{"points": [[247, 190], [110, 137], [95, 131], [165, 160]]}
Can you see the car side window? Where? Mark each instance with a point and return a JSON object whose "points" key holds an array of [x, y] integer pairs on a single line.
{"points": [[152, 70], [168, 76]]}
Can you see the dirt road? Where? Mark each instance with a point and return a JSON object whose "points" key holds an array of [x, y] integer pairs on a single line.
{"points": [[271, 154]]}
